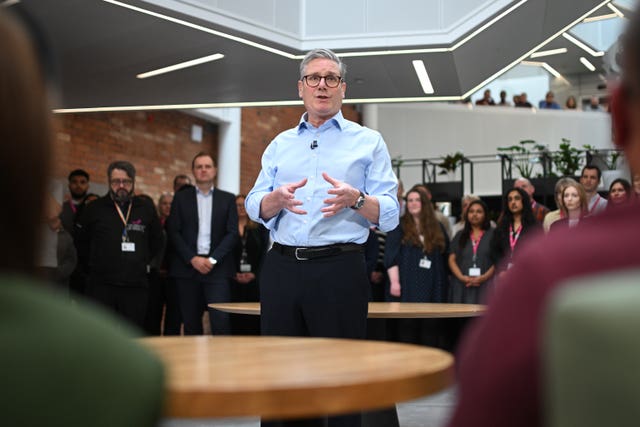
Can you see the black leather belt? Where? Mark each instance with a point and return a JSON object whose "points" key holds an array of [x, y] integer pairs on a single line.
{"points": [[313, 252]]}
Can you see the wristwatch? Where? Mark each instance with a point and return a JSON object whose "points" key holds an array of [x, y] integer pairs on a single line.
{"points": [[359, 202]]}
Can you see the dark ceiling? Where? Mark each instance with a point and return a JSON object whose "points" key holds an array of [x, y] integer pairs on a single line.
{"points": [[99, 48]]}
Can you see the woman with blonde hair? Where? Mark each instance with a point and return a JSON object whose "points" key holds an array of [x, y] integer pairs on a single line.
{"points": [[574, 207]]}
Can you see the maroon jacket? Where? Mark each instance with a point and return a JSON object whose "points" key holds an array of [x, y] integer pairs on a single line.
{"points": [[499, 359]]}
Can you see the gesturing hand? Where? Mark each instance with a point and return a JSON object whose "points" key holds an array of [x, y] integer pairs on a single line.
{"points": [[345, 196], [285, 197]]}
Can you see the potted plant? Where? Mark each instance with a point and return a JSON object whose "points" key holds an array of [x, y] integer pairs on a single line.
{"points": [[524, 156], [450, 163], [567, 160]]}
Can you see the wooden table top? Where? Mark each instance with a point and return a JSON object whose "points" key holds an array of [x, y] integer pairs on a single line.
{"points": [[389, 310], [293, 377]]}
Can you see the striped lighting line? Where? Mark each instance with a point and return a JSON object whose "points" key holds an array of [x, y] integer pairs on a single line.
{"points": [[587, 64], [615, 10], [549, 52], [581, 45], [181, 65], [423, 76], [600, 17]]}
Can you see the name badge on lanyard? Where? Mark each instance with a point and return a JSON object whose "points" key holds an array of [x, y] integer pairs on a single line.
{"points": [[475, 271], [127, 246], [425, 263]]}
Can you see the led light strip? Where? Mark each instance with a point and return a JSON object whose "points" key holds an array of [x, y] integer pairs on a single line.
{"points": [[615, 10], [581, 45], [181, 65], [549, 52], [423, 77], [587, 64], [521, 58], [600, 17]]}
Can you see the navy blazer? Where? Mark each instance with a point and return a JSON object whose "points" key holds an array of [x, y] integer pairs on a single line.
{"points": [[182, 229]]}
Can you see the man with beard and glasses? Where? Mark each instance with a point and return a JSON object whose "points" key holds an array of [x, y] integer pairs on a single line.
{"points": [[118, 234]]}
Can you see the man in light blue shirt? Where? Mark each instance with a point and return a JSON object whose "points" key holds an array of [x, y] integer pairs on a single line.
{"points": [[322, 185]]}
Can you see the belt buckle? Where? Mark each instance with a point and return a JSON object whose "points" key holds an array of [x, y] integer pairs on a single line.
{"points": [[298, 257]]}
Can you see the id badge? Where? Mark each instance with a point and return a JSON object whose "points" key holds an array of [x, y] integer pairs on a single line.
{"points": [[425, 263], [128, 247], [474, 272], [245, 268]]}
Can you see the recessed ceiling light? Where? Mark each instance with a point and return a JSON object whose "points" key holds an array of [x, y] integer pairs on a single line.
{"points": [[181, 65], [423, 76], [549, 52], [581, 45], [587, 64]]}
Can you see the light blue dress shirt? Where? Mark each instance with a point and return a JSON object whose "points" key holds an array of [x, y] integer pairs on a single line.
{"points": [[205, 206], [347, 152]]}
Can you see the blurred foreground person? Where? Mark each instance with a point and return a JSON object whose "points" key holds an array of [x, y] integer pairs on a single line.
{"points": [[500, 360], [63, 364]]}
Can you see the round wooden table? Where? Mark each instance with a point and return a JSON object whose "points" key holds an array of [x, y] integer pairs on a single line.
{"points": [[389, 310], [294, 377]]}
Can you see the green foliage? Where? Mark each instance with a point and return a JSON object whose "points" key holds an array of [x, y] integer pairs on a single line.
{"points": [[567, 160], [397, 161], [450, 163], [524, 156], [610, 157]]}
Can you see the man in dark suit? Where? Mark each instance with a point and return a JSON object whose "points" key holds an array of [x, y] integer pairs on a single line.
{"points": [[203, 227]]}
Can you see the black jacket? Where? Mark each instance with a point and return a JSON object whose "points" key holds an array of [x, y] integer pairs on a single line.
{"points": [[182, 228], [99, 241]]}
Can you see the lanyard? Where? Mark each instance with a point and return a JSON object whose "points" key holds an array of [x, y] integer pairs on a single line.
{"points": [[474, 246], [73, 207], [124, 220], [514, 236]]}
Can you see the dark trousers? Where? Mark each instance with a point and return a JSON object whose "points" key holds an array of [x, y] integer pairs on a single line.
{"points": [[324, 297], [127, 301], [194, 295], [163, 296]]}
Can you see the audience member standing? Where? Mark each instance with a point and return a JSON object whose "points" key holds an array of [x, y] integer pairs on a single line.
{"points": [[486, 99], [590, 180], [554, 216], [416, 257], [78, 184], [118, 236], [470, 259], [163, 292], [180, 181], [522, 101], [203, 228], [620, 193], [571, 103], [442, 219], [516, 224], [248, 254], [539, 210], [574, 207], [464, 204], [503, 99], [549, 103]]}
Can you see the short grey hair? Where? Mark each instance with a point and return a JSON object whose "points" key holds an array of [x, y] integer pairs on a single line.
{"points": [[326, 54], [122, 165]]}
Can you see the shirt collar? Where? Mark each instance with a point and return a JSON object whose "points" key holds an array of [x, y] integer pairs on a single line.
{"points": [[338, 121], [204, 194]]}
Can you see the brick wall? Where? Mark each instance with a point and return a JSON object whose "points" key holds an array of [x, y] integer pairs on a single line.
{"points": [[158, 143], [259, 126]]}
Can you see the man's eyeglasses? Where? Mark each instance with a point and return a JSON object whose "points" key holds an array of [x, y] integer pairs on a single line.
{"points": [[123, 182], [313, 80]]}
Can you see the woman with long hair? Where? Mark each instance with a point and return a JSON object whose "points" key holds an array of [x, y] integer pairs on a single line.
{"points": [[471, 260], [415, 257], [415, 251], [574, 206], [516, 222], [554, 216]]}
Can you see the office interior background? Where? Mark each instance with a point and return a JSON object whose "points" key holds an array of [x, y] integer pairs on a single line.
{"points": [[155, 82]]}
